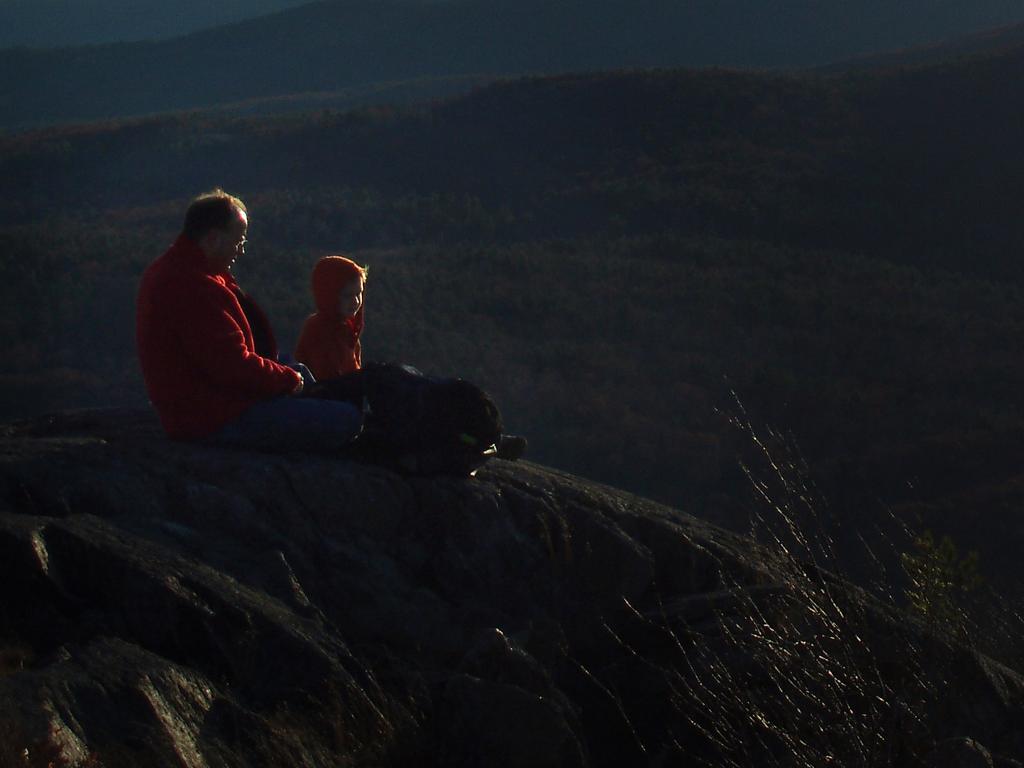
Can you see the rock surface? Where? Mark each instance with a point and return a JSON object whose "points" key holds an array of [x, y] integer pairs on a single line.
{"points": [[164, 604]]}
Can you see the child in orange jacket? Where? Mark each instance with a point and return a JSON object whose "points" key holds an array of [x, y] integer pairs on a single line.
{"points": [[329, 342]]}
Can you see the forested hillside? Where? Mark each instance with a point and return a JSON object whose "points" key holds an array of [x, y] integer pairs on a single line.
{"points": [[613, 255]]}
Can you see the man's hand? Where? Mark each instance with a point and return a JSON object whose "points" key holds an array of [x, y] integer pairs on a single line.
{"points": [[305, 377]]}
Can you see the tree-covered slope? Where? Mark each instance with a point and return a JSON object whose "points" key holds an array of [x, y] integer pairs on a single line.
{"points": [[611, 254]]}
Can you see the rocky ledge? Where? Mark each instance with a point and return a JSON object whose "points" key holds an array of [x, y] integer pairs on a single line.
{"points": [[164, 604]]}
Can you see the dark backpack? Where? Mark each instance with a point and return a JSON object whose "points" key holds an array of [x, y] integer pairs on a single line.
{"points": [[416, 423]]}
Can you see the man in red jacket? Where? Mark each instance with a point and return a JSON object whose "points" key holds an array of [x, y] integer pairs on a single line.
{"points": [[207, 374]]}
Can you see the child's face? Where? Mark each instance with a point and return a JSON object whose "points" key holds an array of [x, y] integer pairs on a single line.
{"points": [[350, 299]]}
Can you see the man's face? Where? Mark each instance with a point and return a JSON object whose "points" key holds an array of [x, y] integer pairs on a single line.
{"points": [[223, 246]]}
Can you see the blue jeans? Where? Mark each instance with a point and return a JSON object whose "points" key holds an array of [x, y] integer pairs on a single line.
{"points": [[293, 424]]}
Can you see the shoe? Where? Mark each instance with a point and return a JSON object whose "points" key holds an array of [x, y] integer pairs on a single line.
{"points": [[511, 447]]}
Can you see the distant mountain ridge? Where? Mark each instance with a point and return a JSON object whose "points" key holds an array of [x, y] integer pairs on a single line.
{"points": [[60, 23], [336, 44], [990, 42]]}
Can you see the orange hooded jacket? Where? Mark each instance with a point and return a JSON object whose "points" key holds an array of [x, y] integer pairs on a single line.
{"points": [[329, 343]]}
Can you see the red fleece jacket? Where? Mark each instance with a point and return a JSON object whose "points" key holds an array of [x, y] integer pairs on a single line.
{"points": [[196, 348]]}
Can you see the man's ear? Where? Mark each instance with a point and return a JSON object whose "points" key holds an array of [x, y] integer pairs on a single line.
{"points": [[209, 242]]}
